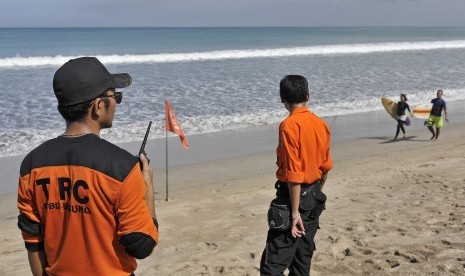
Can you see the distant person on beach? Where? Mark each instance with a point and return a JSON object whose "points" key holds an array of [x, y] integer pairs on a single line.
{"points": [[435, 117], [402, 106], [86, 206], [303, 162]]}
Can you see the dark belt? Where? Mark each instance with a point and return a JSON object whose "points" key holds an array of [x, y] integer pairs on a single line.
{"points": [[282, 189]]}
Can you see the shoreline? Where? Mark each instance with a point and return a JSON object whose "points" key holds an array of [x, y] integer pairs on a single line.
{"points": [[217, 146]]}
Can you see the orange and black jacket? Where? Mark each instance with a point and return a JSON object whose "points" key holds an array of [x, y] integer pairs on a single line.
{"points": [[81, 200]]}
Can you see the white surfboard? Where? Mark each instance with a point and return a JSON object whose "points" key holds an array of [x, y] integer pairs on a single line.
{"points": [[422, 111]]}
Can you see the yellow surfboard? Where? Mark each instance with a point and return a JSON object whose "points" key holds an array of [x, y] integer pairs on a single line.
{"points": [[390, 106]]}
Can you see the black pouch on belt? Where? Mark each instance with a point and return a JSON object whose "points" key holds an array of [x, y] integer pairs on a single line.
{"points": [[313, 200], [279, 214]]}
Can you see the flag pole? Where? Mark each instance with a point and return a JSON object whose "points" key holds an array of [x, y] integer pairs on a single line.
{"points": [[172, 125], [333, 122], [166, 146]]}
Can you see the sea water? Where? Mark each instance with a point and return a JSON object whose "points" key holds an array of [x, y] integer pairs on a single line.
{"points": [[218, 79]]}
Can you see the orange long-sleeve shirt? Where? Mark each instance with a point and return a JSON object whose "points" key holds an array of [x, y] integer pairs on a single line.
{"points": [[303, 152]]}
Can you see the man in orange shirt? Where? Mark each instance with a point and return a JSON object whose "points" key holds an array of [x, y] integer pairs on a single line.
{"points": [[86, 206], [303, 161]]}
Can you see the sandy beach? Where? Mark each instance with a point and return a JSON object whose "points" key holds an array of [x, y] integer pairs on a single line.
{"points": [[394, 208]]}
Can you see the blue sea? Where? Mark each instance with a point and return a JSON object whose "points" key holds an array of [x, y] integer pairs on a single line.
{"points": [[218, 79]]}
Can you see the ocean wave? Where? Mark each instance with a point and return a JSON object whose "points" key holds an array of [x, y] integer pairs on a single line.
{"points": [[343, 49], [17, 142]]}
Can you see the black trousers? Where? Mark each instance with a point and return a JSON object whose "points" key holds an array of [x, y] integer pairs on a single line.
{"points": [[282, 251], [400, 126]]}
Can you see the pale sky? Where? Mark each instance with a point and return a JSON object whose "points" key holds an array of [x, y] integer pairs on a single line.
{"points": [[219, 13]]}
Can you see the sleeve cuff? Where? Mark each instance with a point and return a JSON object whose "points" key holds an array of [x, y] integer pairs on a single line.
{"points": [[295, 177], [34, 247]]}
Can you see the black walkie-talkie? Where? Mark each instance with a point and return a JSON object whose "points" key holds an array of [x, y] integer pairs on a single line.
{"points": [[142, 147]]}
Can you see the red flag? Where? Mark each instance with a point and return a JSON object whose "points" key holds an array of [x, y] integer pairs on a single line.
{"points": [[173, 125]]}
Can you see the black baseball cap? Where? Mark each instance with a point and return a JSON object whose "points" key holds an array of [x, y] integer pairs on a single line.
{"points": [[83, 79]]}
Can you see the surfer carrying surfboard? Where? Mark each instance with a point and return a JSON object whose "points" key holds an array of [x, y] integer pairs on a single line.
{"points": [[402, 106], [435, 117]]}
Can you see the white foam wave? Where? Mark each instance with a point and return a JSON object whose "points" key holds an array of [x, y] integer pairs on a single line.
{"points": [[347, 49], [22, 141]]}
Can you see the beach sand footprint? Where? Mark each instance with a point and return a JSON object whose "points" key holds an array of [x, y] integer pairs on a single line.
{"points": [[211, 245], [426, 165]]}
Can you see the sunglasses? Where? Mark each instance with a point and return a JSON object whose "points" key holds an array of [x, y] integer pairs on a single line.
{"points": [[118, 96]]}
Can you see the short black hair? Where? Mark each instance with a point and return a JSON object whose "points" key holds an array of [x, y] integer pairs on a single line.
{"points": [[293, 89], [78, 112]]}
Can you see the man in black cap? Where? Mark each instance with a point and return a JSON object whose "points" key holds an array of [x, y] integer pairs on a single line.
{"points": [[86, 206]]}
